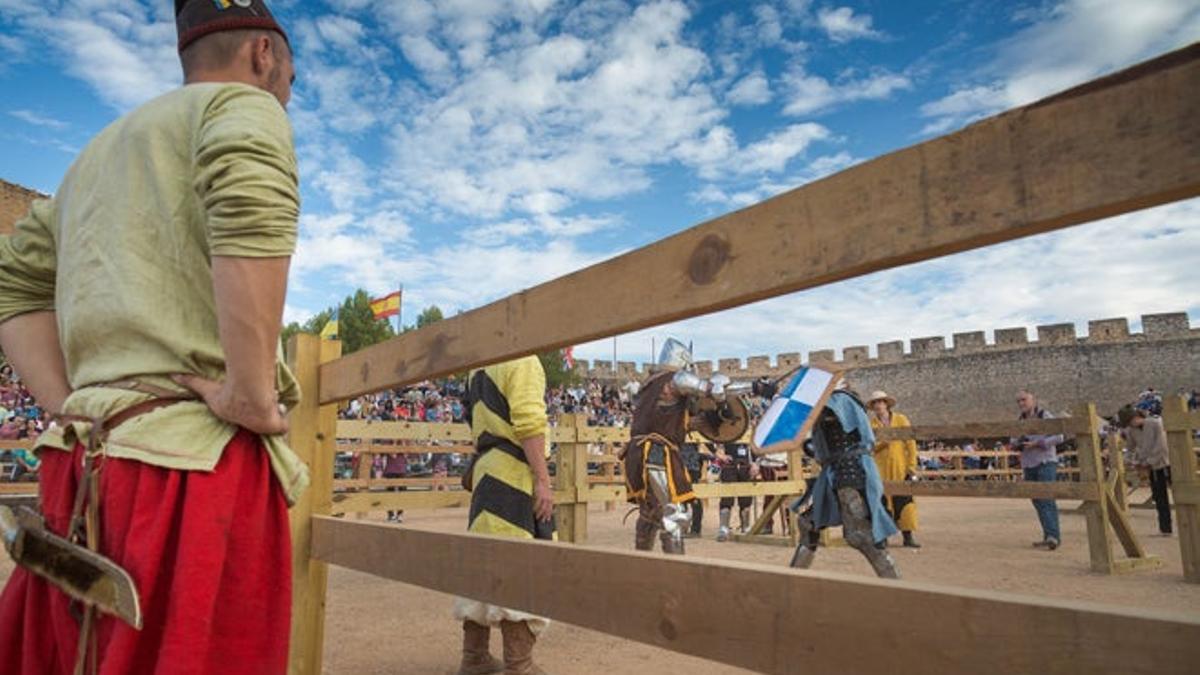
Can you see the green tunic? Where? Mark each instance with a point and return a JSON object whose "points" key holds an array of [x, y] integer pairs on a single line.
{"points": [[123, 254]]}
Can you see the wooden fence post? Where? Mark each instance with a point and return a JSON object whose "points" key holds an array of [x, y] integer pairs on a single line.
{"points": [[313, 429], [1091, 471], [571, 476], [1116, 463], [1185, 489]]}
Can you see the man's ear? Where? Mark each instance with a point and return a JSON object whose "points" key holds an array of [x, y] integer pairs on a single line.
{"points": [[262, 57]]}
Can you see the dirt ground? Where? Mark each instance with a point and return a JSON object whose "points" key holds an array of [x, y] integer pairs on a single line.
{"points": [[379, 626]]}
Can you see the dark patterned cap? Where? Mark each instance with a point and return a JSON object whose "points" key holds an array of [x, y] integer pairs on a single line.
{"points": [[196, 18]]}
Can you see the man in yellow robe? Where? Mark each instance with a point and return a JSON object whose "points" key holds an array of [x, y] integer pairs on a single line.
{"points": [[897, 460], [510, 497]]}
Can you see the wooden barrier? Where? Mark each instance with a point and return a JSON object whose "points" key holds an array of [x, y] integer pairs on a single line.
{"points": [[772, 619], [1125, 142], [1181, 426]]}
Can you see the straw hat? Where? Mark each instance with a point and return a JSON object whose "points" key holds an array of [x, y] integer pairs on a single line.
{"points": [[880, 395]]}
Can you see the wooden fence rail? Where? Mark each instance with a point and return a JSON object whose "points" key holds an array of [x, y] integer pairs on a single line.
{"points": [[1121, 143]]}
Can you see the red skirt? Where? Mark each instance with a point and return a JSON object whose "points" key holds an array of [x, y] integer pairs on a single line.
{"points": [[210, 554]]}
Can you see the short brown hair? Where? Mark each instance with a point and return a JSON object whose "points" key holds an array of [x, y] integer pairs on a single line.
{"points": [[216, 50]]}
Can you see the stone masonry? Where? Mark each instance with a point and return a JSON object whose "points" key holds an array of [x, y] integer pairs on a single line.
{"points": [[14, 203], [966, 378]]}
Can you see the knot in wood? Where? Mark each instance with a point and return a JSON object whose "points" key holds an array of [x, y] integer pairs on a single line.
{"points": [[710, 255]]}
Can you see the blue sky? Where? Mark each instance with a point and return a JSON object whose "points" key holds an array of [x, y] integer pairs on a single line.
{"points": [[471, 148]]}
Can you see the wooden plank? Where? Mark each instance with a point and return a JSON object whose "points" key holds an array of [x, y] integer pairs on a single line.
{"points": [[1189, 420], [1091, 472], [1015, 490], [363, 502], [767, 515], [1183, 479], [1004, 429], [1116, 462], [19, 488], [413, 431], [367, 483], [763, 539], [1128, 565], [311, 436], [408, 448], [751, 489], [1185, 494], [571, 476], [770, 616], [1122, 527], [1125, 142]]}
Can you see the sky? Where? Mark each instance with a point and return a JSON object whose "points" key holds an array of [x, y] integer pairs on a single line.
{"points": [[467, 149]]}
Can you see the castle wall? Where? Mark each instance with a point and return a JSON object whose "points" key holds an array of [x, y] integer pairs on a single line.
{"points": [[967, 378], [14, 204]]}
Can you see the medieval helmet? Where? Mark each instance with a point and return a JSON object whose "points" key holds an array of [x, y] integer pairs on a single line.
{"points": [[675, 355]]}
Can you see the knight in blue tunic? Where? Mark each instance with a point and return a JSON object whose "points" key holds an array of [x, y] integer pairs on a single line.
{"points": [[848, 491]]}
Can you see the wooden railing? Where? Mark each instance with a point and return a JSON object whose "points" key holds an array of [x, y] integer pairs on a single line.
{"points": [[1119, 144]]}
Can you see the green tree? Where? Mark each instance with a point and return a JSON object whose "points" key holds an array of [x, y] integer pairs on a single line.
{"points": [[557, 373], [430, 314], [357, 325]]}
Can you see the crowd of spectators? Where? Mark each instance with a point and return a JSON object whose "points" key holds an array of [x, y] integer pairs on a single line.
{"points": [[20, 419]]}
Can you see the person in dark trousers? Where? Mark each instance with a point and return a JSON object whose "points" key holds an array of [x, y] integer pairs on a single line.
{"points": [[695, 462], [1148, 444]]}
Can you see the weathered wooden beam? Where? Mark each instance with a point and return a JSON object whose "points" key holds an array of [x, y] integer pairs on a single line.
{"points": [[752, 489], [1118, 144], [1184, 482], [311, 436], [363, 502], [772, 619], [1009, 429], [1016, 490]]}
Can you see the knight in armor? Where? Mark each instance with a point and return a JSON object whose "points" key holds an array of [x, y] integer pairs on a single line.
{"points": [[849, 490], [656, 477]]}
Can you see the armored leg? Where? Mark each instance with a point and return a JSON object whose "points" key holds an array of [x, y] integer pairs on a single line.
{"points": [[856, 523], [723, 528], [644, 529], [674, 518], [809, 540]]}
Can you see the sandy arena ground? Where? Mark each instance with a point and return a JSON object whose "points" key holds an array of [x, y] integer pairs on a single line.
{"points": [[379, 626]]}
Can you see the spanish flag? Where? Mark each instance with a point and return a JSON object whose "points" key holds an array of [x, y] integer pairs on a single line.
{"points": [[388, 305]]}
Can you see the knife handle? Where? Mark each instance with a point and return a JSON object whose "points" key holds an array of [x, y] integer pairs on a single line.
{"points": [[8, 526]]}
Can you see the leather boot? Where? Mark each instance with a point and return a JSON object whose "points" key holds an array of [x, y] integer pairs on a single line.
{"points": [[723, 529], [744, 518], [518, 649], [476, 660], [643, 535], [909, 541]]}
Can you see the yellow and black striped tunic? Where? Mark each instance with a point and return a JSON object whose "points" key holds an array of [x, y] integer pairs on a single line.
{"points": [[506, 404]]}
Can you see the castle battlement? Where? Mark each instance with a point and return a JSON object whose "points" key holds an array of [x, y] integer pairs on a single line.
{"points": [[1155, 327]]}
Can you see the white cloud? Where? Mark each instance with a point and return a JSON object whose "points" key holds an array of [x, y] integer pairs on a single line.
{"points": [[1076, 40], [752, 89], [36, 119], [841, 24], [1045, 279], [810, 93]]}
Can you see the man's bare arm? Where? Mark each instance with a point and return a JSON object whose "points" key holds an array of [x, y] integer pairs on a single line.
{"points": [[543, 495], [249, 296], [30, 342]]}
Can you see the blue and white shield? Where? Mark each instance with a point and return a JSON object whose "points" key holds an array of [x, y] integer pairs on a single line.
{"points": [[793, 411]]}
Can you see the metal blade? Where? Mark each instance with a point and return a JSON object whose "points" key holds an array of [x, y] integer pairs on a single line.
{"points": [[82, 574]]}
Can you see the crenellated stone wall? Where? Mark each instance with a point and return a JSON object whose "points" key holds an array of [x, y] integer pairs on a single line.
{"points": [[972, 379], [14, 204]]}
